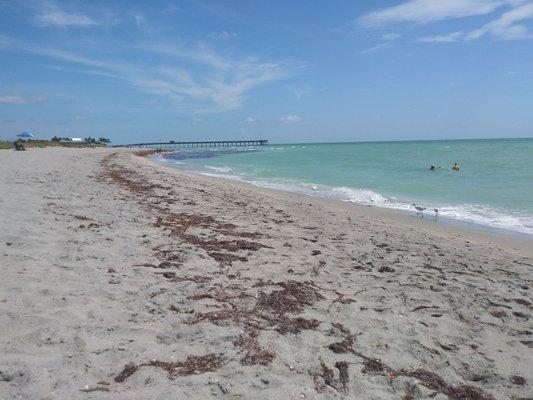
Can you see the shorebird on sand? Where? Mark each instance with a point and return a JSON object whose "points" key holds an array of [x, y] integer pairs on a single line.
{"points": [[436, 213], [420, 209]]}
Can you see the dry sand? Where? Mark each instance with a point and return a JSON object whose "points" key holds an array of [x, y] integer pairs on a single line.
{"points": [[120, 279]]}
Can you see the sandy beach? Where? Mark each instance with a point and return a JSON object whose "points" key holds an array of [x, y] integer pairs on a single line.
{"points": [[123, 279]]}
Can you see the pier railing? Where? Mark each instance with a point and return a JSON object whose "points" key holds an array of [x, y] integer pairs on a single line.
{"points": [[208, 143]]}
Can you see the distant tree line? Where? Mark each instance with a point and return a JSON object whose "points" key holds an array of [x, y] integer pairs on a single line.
{"points": [[93, 140], [87, 139]]}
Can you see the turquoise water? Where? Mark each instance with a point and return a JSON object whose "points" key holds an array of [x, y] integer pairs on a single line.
{"points": [[494, 186]]}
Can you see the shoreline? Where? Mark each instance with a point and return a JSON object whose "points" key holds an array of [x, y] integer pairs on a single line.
{"points": [[466, 218], [123, 278], [507, 237]]}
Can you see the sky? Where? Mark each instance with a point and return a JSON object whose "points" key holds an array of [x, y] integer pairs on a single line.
{"points": [[287, 71]]}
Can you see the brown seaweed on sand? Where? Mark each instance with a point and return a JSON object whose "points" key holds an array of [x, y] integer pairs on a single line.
{"points": [[518, 380], [271, 311], [179, 223], [427, 378], [255, 354], [296, 325], [326, 377], [434, 382], [193, 365], [498, 313]]}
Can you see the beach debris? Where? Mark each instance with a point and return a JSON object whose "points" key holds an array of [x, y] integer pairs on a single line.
{"points": [[326, 377], [424, 308], [89, 389], [426, 378], [372, 365], [128, 371], [498, 313], [434, 382], [274, 310], [271, 311], [174, 309], [523, 302], [386, 268], [193, 365], [346, 346], [518, 380], [297, 325], [218, 249], [255, 354]]}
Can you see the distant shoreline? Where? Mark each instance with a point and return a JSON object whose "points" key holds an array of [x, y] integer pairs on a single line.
{"points": [[271, 143], [500, 223], [404, 217]]}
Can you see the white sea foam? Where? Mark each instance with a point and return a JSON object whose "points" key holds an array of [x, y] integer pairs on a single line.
{"points": [[475, 214], [471, 213], [219, 169], [483, 215], [364, 196]]}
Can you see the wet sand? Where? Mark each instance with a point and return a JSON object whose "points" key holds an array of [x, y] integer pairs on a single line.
{"points": [[122, 279]]}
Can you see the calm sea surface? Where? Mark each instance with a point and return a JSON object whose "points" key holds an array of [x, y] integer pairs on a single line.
{"points": [[493, 188]]}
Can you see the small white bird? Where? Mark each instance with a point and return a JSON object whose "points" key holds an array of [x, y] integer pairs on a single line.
{"points": [[420, 209], [315, 188]]}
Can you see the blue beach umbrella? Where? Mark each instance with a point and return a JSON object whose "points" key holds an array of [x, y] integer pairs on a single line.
{"points": [[26, 135]]}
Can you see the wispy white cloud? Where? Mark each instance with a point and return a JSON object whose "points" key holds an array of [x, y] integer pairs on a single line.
{"points": [[54, 16], [200, 53], [47, 13], [222, 35], [19, 99], [249, 119], [5, 41], [424, 11], [138, 18], [222, 84], [290, 119], [506, 26], [230, 79], [447, 38], [300, 91], [171, 9], [375, 48], [390, 36]]}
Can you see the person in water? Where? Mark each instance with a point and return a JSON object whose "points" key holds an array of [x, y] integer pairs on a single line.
{"points": [[456, 167], [433, 167]]}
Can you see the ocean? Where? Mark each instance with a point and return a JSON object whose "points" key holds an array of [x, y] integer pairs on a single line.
{"points": [[494, 187]]}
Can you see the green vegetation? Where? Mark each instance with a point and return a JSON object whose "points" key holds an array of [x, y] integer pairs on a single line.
{"points": [[87, 139], [54, 142]]}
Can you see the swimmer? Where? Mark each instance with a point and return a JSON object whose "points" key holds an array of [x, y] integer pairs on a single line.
{"points": [[456, 167]]}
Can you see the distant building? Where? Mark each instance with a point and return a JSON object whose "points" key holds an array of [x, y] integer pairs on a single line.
{"points": [[77, 139]]}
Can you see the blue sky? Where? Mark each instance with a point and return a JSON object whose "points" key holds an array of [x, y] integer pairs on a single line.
{"points": [[288, 71]]}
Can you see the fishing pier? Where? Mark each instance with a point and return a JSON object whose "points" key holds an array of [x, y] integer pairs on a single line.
{"points": [[210, 143]]}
